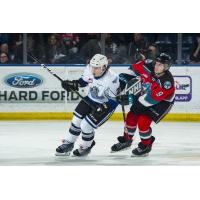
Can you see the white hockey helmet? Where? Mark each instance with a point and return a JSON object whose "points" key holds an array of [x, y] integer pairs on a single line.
{"points": [[99, 60]]}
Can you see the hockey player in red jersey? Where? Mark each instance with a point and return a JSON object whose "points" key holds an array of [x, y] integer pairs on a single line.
{"points": [[154, 102]]}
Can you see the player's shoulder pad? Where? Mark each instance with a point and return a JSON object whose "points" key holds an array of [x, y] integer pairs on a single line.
{"points": [[113, 77], [167, 85], [136, 65], [141, 62], [167, 81]]}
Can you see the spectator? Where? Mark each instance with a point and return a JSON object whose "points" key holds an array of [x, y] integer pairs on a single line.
{"points": [[18, 49], [90, 48], [187, 46], [4, 38], [85, 37], [116, 51], [36, 47], [4, 47], [71, 42], [195, 55], [4, 58], [166, 42], [137, 46], [55, 50], [153, 52]]}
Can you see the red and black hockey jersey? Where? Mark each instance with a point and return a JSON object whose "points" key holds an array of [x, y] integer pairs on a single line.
{"points": [[158, 92]]}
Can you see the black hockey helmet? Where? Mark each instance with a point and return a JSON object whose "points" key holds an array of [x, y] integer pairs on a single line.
{"points": [[165, 59]]}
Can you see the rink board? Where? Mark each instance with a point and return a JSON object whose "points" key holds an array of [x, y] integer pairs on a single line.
{"points": [[68, 116], [29, 92]]}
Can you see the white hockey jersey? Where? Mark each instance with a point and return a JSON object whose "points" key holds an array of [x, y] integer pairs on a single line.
{"points": [[101, 89]]}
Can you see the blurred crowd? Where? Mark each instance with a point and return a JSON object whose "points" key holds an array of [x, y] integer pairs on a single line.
{"points": [[78, 48]]}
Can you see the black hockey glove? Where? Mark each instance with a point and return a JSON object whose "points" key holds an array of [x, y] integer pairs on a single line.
{"points": [[70, 85], [125, 99]]}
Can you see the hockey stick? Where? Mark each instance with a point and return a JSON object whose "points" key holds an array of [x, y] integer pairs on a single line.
{"points": [[123, 107], [51, 72], [123, 112]]}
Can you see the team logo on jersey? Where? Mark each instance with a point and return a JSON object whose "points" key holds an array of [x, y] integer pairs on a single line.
{"points": [[94, 93], [167, 85]]}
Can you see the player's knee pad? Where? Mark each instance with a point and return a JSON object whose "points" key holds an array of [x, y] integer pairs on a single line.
{"points": [[86, 127]]}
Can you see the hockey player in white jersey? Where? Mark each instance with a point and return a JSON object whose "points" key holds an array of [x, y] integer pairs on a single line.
{"points": [[103, 86]]}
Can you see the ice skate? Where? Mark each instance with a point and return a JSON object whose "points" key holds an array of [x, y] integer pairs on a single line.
{"points": [[142, 150], [83, 151], [122, 145], [64, 149]]}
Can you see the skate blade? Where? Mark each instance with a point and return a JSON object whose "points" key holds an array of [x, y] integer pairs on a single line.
{"points": [[82, 156], [144, 155], [62, 154], [127, 148]]}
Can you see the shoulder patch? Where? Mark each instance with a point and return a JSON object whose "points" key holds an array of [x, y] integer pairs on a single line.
{"points": [[167, 85]]}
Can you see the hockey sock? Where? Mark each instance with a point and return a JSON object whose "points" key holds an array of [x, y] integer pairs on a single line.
{"points": [[87, 139], [146, 137], [129, 132], [73, 134], [87, 134]]}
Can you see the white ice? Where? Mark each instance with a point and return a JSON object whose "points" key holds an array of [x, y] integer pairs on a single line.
{"points": [[34, 143]]}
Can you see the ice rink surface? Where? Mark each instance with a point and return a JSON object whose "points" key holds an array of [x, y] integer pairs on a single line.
{"points": [[34, 143]]}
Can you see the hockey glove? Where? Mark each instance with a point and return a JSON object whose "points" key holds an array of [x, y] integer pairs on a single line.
{"points": [[139, 57], [70, 85], [125, 99]]}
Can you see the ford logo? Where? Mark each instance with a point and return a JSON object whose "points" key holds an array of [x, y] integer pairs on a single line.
{"points": [[23, 80]]}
